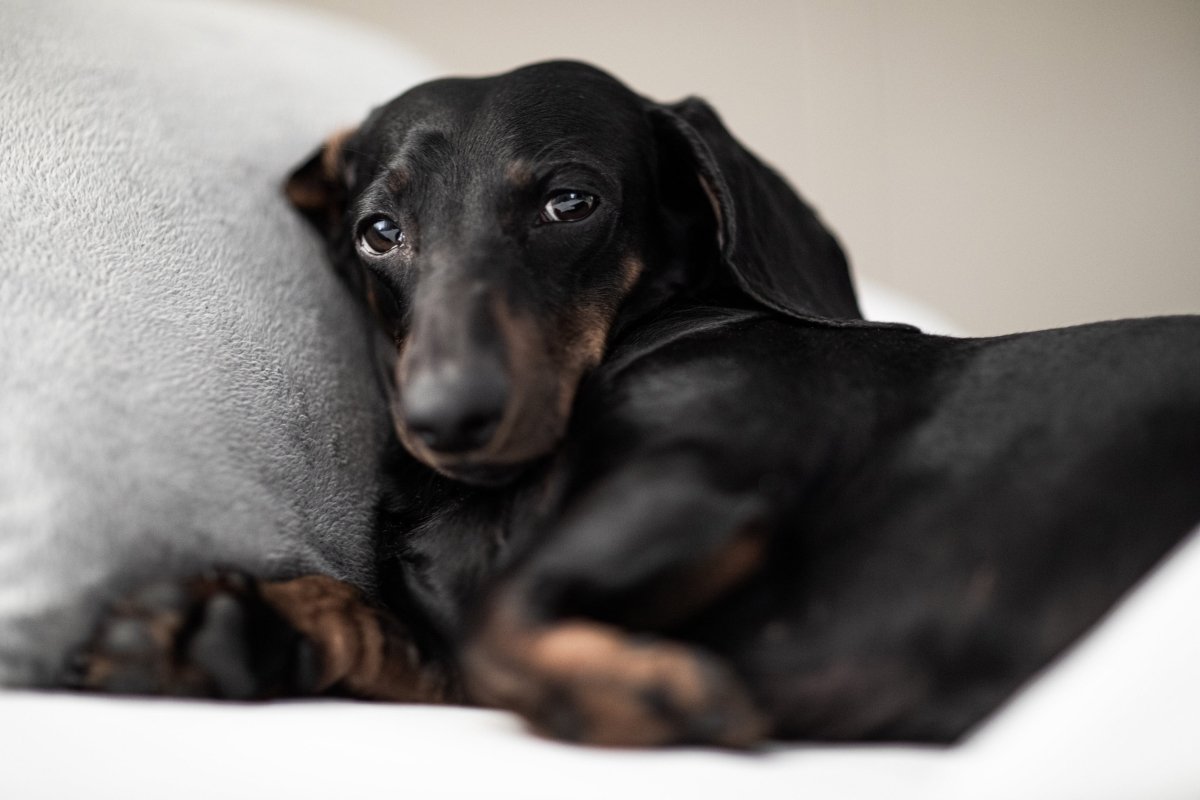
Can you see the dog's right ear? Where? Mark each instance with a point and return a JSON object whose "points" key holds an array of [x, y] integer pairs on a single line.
{"points": [[320, 187], [320, 190], [768, 239]]}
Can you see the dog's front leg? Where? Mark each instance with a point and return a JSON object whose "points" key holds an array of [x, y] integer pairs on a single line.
{"points": [[568, 638]]}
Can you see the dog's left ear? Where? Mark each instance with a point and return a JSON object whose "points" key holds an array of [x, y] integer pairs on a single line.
{"points": [[319, 188], [775, 246]]}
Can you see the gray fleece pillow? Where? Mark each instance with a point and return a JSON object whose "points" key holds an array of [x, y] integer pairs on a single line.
{"points": [[183, 382]]}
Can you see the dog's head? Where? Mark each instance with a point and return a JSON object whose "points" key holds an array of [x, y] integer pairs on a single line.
{"points": [[498, 226]]}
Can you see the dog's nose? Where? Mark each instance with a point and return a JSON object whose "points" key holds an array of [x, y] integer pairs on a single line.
{"points": [[455, 410]]}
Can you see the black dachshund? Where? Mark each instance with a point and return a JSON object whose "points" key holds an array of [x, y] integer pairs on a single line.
{"points": [[683, 492]]}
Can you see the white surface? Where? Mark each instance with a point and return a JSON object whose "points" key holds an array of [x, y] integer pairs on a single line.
{"points": [[1116, 720], [886, 305]]}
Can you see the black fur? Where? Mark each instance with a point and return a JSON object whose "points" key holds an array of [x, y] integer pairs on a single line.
{"points": [[935, 518]]}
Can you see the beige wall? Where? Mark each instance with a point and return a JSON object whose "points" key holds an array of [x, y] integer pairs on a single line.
{"points": [[1014, 164]]}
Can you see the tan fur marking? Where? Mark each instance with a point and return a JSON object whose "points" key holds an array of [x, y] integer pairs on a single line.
{"points": [[305, 196], [608, 669], [584, 337], [612, 689], [529, 428], [545, 369], [359, 652], [703, 581], [397, 181], [332, 162], [632, 268], [519, 174], [320, 192], [576, 649]]}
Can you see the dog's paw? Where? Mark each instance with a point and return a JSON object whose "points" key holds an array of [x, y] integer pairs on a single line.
{"points": [[210, 636], [591, 683]]}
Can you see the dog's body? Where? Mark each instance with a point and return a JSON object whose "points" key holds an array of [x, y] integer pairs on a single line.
{"points": [[880, 534], [768, 516]]}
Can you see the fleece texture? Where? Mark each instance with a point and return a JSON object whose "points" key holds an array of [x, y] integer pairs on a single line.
{"points": [[183, 381]]}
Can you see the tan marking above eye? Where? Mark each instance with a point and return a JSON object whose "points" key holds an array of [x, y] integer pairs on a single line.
{"points": [[519, 174], [397, 181]]}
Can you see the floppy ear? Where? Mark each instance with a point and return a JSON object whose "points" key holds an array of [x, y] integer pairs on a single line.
{"points": [[319, 188], [773, 244]]}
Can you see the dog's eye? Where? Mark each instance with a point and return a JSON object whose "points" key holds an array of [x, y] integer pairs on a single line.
{"points": [[380, 235], [568, 207]]}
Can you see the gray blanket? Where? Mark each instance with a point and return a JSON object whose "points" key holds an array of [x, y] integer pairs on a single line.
{"points": [[183, 382]]}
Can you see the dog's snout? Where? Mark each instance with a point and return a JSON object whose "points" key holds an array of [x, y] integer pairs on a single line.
{"points": [[456, 410]]}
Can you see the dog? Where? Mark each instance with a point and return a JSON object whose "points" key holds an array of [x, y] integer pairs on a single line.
{"points": [[660, 482]]}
